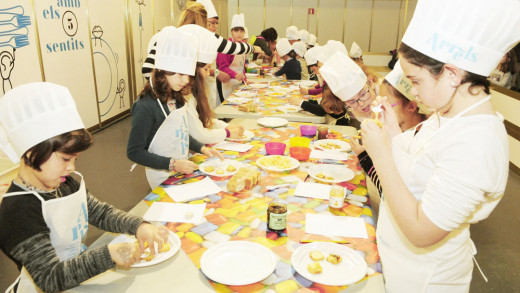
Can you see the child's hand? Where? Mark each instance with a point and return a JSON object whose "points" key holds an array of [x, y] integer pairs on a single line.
{"points": [[296, 101], [239, 76], [304, 91], [150, 233], [211, 152], [357, 148], [235, 132], [124, 254], [185, 166]]}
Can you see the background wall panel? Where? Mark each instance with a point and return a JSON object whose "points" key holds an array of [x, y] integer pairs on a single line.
{"points": [[357, 23], [330, 20], [162, 14], [253, 14], [278, 15], [300, 16], [385, 25]]}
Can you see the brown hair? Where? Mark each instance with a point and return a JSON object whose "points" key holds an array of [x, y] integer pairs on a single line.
{"points": [[199, 93], [509, 64], [436, 68], [162, 89], [404, 100], [71, 142], [194, 13]]}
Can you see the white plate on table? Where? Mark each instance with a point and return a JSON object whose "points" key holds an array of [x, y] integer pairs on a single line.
{"points": [[332, 173], [220, 168], [173, 239], [272, 121], [332, 145], [257, 85], [289, 108], [351, 269], [250, 74], [277, 163], [247, 136], [237, 100], [245, 94], [306, 83], [238, 263]]}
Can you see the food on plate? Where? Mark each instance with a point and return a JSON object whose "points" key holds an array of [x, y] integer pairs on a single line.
{"points": [[330, 178], [316, 255], [147, 254], [220, 171], [334, 258], [324, 176], [321, 175], [244, 178], [209, 169], [279, 162], [314, 268], [231, 168], [330, 145], [248, 107]]}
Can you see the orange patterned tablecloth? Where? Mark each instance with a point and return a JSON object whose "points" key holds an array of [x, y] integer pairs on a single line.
{"points": [[243, 216]]}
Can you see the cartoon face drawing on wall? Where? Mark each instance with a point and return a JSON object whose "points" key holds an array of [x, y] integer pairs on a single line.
{"points": [[97, 32], [6, 67]]}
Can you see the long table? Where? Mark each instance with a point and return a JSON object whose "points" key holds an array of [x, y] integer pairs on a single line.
{"points": [[232, 213]]}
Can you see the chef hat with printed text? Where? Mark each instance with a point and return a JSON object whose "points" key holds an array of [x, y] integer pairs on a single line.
{"points": [[474, 40], [283, 47], [303, 35], [291, 33], [208, 43], [330, 48], [311, 56], [300, 48], [238, 21], [355, 50], [34, 112], [344, 77], [312, 40], [210, 8], [176, 51]]}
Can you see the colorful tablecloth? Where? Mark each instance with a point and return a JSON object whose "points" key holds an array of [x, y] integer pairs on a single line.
{"points": [[243, 216]]}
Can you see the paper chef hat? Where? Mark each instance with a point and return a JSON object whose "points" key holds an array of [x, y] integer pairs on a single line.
{"points": [[246, 33], [330, 48], [210, 9], [283, 47], [311, 56], [291, 33], [300, 48], [303, 35], [238, 21], [176, 51], [355, 50], [34, 112], [474, 40], [344, 77], [401, 83], [312, 40], [208, 43]]}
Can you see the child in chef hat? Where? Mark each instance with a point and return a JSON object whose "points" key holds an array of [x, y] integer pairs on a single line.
{"points": [[303, 35], [300, 48], [452, 171], [356, 53], [291, 33], [291, 67], [312, 41], [44, 215]]}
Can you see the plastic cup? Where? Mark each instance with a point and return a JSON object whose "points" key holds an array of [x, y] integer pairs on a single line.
{"points": [[308, 130], [275, 148], [300, 141], [323, 131], [300, 153]]}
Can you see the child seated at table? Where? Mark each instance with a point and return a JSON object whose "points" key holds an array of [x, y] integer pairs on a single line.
{"points": [[300, 48], [234, 66], [291, 67], [44, 215]]}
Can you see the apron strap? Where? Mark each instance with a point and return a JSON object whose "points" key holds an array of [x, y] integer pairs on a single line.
{"points": [[23, 193], [162, 109]]}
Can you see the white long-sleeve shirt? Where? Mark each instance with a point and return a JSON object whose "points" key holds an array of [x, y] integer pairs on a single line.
{"points": [[197, 130]]}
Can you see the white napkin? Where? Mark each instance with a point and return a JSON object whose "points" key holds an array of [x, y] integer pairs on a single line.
{"points": [[339, 156], [313, 190], [189, 191], [175, 212], [330, 225], [233, 146]]}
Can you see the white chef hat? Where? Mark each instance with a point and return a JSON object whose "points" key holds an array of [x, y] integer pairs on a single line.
{"points": [[311, 56], [176, 51], [291, 33], [330, 48], [344, 77], [300, 48], [238, 21], [246, 33], [283, 47], [403, 84], [474, 40], [152, 42], [208, 43], [355, 50], [303, 35], [34, 112], [312, 40], [210, 9]]}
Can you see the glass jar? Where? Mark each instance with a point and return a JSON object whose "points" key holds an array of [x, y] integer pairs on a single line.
{"points": [[277, 215], [337, 196]]}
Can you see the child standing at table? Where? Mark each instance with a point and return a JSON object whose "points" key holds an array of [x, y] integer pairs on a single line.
{"points": [[291, 33], [44, 215], [300, 48], [291, 67], [234, 66]]}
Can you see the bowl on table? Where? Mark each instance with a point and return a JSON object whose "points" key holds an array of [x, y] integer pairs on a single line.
{"points": [[300, 153], [275, 148], [300, 141], [308, 130]]}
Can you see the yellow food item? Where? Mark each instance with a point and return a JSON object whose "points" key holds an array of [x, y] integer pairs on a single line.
{"points": [[329, 178], [314, 268], [316, 255], [320, 175], [219, 171], [231, 168], [165, 247], [279, 162], [209, 169], [243, 178], [334, 258]]}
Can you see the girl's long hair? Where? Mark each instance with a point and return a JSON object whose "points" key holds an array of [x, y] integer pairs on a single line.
{"points": [[199, 93], [194, 13], [162, 90]]}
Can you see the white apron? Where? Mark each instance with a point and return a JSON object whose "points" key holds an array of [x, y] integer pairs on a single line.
{"points": [[67, 219], [407, 268], [210, 83], [237, 66], [171, 140]]}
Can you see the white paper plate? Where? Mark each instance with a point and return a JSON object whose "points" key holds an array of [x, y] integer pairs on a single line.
{"points": [[306, 83], [263, 162], [238, 263], [237, 100], [272, 121], [351, 269], [220, 165], [257, 85], [250, 74], [332, 145], [289, 108], [245, 94], [247, 136], [175, 244], [337, 172]]}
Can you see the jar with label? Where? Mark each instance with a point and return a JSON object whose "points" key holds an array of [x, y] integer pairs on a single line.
{"points": [[337, 196], [277, 215]]}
